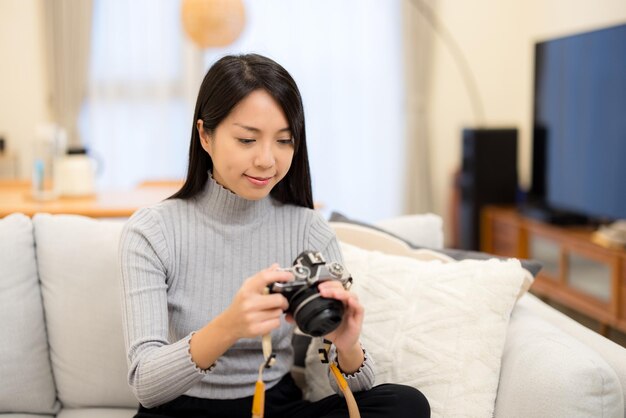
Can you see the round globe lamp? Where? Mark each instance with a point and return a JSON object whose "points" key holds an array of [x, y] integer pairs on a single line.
{"points": [[213, 23]]}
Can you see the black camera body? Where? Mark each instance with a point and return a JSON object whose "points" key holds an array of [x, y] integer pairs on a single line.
{"points": [[314, 314]]}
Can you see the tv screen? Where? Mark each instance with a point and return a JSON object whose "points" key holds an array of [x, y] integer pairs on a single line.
{"points": [[579, 155]]}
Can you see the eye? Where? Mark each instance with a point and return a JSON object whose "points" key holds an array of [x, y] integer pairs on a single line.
{"points": [[245, 141], [286, 141]]}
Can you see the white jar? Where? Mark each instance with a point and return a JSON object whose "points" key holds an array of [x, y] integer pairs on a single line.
{"points": [[75, 174]]}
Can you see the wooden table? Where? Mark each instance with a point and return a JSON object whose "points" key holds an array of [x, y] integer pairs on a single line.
{"points": [[15, 196], [577, 272]]}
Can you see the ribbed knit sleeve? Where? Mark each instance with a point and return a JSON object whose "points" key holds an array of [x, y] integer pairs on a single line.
{"points": [[323, 238], [159, 370], [362, 379]]}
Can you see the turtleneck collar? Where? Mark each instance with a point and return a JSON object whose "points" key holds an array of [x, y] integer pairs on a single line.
{"points": [[230, 208]]}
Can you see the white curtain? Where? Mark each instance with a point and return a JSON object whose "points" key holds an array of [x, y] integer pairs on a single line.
{"points": [[137, 119], [67, 32], [418, 46], [346, 57]]}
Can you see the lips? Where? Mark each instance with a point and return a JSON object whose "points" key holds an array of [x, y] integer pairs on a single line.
{"points": [[258, 181]]}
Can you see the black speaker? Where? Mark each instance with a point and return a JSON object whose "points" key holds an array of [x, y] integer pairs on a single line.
{"points": [[488, 176]]}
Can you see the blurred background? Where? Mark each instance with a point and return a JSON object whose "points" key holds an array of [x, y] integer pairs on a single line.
{"points": [[388, 86]]}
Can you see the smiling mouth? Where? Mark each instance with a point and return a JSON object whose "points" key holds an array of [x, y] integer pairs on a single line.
{"points": [[258, 181]]}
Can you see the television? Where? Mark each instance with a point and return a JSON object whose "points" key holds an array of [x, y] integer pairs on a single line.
{"points": [[579, 127]]}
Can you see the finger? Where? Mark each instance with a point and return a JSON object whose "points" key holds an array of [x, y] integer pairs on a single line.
{"points": [[260, 281], [265, 327], [353, 306], [331, 284], [258, 323], [334, 292], [350, 301], [273, 301], [265, 315], [355, 310], [353, 318], [263, 302], [265, 277]]}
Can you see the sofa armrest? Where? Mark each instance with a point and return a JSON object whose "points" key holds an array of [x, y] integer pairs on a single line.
{"points": [[612, 353], [548, 372]]}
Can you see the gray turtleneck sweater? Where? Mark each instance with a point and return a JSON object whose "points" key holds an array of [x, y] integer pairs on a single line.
{"points": [[182, 263]]}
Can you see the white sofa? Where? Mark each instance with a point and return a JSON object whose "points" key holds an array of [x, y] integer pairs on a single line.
{"points": [[62, 353]]}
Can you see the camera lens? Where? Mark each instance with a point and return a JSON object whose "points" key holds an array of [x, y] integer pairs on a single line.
{"points": [[314, 314]]}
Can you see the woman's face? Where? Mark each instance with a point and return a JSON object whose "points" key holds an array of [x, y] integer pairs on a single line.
{"points": [[252, 148]]}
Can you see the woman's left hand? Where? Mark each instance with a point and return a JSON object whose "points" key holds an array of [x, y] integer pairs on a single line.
{"points": [[346, 336]]}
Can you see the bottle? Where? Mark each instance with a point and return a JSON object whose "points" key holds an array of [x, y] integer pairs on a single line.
{"points": [[48, 146]]}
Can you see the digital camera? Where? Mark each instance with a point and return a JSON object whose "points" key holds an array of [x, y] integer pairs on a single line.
{"points": [[314, 314]]}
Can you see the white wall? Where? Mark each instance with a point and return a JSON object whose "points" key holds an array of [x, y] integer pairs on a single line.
{"points": [[497, 38], [23, 83]]}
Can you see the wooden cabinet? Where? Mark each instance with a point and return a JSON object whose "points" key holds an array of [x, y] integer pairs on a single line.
{"points": [[577, 273]]}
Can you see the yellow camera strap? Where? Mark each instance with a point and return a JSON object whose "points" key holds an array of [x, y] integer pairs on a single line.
{"points": [[258, 400], [353, 409]]}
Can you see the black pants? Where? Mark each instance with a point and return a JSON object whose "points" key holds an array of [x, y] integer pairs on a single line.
{"points": [[285, 400]]}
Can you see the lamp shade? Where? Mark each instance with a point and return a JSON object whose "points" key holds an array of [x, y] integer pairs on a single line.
{"points": [[213, 23]]}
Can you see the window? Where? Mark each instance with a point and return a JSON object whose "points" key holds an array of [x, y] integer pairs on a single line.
{"points": [[136, 119], [345, 57]]}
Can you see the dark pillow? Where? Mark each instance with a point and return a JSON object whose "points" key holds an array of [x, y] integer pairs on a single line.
{"points": [[533, 266], [300, 345]]}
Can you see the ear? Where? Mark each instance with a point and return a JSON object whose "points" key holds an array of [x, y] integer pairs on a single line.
{"points": [[205, 138]]}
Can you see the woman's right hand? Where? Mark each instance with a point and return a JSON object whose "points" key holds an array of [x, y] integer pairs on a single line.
{"points": [[253, 312]]}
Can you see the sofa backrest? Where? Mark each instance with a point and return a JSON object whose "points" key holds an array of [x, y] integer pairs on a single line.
{"points": [[26, 383], [80, 284]]}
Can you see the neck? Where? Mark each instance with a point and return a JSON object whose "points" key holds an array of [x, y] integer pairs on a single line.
{"points": [[231, 208]]}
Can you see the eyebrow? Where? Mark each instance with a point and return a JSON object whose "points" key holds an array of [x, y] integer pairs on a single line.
{"points": [[256, 130]]}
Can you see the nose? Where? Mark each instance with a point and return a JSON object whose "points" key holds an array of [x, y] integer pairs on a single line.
{"points": [[264, 158]]}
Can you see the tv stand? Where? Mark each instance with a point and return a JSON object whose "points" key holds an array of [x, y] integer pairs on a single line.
{"points": [[577, 273], [542, 213]]}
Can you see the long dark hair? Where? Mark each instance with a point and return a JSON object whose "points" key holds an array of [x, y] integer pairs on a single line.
{"points": [[227, 82]]}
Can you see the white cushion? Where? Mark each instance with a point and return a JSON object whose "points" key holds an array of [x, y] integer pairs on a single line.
{"points": [[547, 373], [421, 230], [80, 282], [97, 413], [26, 383], [439, 327], [371, 239]]}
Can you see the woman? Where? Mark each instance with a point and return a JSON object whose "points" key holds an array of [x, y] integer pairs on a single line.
{"points": [[195, 267]]}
